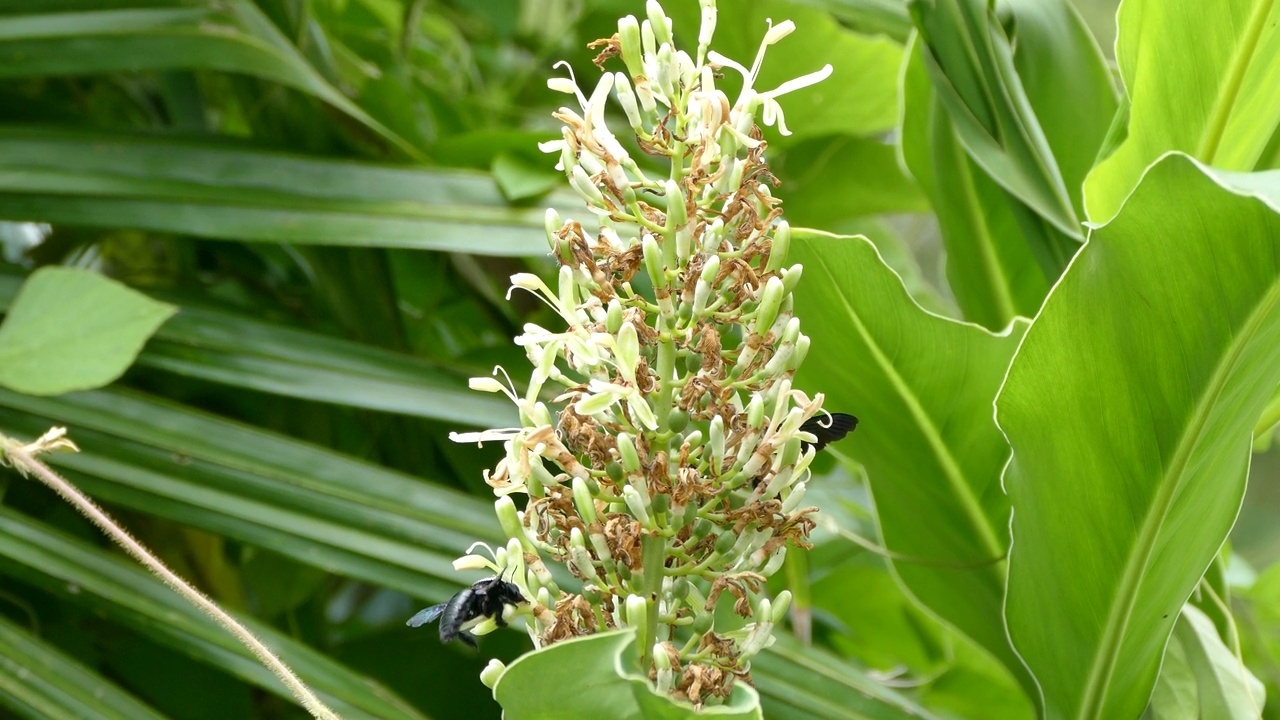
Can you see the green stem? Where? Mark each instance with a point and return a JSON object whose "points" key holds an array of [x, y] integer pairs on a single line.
{"points": [[653, 554]]}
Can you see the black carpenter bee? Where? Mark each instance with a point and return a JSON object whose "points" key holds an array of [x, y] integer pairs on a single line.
{"points": [[485, 599], [827, 430]]}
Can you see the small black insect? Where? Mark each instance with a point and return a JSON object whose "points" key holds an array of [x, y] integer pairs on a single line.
{"points": [[485, 599], [827, 431]]}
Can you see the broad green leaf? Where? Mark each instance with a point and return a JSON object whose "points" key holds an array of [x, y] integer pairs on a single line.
{"points": [[1203, 83], [125, 593], [921, 386], [117, 36], [594, 677], [831, 179], [222, 191], [970, 60], [860, 97], [1131, 427], [39, 681], [873, 17], [314, 505], [71, 329], [991, 268]]}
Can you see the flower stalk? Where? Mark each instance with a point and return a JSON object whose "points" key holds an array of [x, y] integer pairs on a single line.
{"points": [[660, 453]]}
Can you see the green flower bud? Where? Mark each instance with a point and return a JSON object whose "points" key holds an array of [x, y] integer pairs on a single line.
{"points": [[780, 361], [583, 501], [509, 520], [710, 270], [600, 544], [628, 351], [781, 245], [627, 99], [775, 562], [790, 453], [551, 224], [637, 505], [660, 22], [627, 453], [770, 302], [701, 296], [763, 610], [791, 278], [791, 332], [637, 616], [780, 605], [793, 499], [613, 316], [578, 553], [716, 441], [653, 262], [492, 672], [581, 181], [798, 355], [629, 39], [755, 412], [677, 213]]}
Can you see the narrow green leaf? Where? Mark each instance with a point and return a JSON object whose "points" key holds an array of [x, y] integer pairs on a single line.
{"points": [[1202, 83], [71, 329], [316, 506], [922, 387], [1131, 430], [39, 681], [127, 594], [796, 682], [991, 268], [227, 348], [222, 191], [224, 35], [970, 60], [1068, 84]]}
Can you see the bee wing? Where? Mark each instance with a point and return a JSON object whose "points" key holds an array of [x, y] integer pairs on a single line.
{"points": [[828, 431], [425, 616]]}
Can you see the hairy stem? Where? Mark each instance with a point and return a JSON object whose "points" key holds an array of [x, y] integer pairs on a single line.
{"points": [[26, 463]]}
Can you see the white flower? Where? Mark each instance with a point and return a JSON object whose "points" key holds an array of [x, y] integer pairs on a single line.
{"points": [[772, 111], [483, 436]]}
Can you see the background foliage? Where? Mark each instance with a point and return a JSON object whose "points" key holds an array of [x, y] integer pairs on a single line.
{"points": [[318, 203]]}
